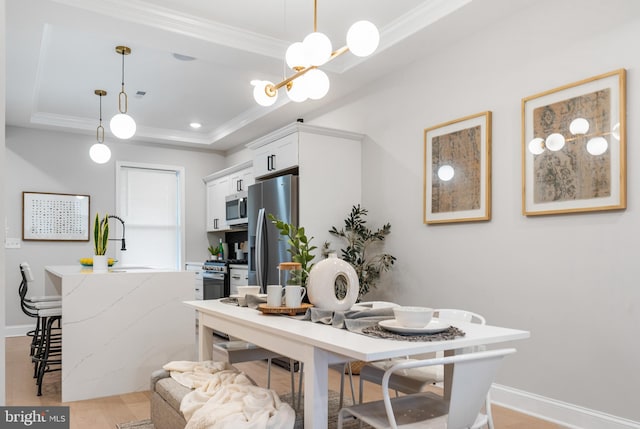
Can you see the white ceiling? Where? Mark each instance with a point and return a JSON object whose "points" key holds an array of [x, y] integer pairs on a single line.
{"points": [[60, 51]]}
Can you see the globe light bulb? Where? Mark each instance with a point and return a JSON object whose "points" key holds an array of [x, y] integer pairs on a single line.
{"points": [[317, 84], [446, 173], [261, 96], [317, 48], [597, 146], [363, 38], [555, 142], [100, 153], [579, 126], [122, 126], [298, 91], [295, 56], [536, 146]]}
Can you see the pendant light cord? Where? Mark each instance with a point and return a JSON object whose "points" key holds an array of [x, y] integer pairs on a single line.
{"points": [[123, 95], [100, 129]]}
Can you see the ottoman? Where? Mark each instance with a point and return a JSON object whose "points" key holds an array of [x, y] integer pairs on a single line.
{"points": [[166, 395]]}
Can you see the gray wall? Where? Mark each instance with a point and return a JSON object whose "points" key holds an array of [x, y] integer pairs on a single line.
{"points": [[45, 161], [572, 280]]}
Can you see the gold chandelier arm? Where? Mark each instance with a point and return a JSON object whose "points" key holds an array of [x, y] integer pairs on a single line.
{"points": [[315, 15], [271, 90]]}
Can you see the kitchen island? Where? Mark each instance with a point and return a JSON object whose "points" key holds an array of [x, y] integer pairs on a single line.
{"points": [[119, 326]]}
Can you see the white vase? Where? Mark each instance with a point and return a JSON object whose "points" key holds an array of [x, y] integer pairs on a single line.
{"points": [[322, 280], [100, 264]]}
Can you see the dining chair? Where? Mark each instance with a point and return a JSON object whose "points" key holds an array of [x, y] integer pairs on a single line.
{"points": [[417, 379], [473, 374]]}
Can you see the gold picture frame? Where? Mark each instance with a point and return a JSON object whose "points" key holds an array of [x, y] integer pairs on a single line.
{"points": [[574, 147], [457, 170]]}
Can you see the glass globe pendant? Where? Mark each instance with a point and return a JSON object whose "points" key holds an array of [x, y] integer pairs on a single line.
{"points": [[363, 38], [122, 125], [100, 152]]}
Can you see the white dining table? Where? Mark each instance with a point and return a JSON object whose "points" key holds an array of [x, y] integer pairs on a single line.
{"points": [[318, 345]]}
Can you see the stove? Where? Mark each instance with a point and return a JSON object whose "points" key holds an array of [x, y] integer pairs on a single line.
{"points": [[222, 265], [216, 279]]}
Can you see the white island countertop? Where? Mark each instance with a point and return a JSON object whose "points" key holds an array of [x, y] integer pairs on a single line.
{"points": [[119, 326]]}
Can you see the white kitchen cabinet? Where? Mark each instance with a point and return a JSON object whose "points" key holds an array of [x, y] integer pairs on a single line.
{"points": [[276, 156], [221, 184], [217, 190], [329, 166], [241, 180], [238, 276]]}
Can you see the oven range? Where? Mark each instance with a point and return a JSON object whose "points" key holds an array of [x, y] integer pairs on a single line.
{"points": [[216, 279]]}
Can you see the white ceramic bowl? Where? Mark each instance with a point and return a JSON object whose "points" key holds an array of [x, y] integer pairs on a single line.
{"points": [[413, 317], [248, 290]]}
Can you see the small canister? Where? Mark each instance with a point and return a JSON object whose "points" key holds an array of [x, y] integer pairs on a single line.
{"points": [[290, 273]]}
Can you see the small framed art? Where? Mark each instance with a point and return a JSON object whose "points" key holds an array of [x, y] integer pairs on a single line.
{"points": [[574, 147], [457, 170]]}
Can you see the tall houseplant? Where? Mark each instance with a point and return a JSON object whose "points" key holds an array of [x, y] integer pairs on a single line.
{"points": [[300, 246], [358, 253]]}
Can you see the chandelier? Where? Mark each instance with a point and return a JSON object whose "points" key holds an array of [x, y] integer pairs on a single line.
{"points": [[304, 58]]}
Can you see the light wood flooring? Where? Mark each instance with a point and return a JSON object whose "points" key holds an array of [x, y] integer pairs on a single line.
{"points": [[105, 413]]}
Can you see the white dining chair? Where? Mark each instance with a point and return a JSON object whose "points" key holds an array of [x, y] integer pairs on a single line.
{"points": [[473, 374], [417, 379]]}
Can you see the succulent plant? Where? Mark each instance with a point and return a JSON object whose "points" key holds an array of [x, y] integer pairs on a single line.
{"points": [[100, 234]]}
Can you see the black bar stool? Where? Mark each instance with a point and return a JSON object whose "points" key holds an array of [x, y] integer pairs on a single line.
{"points": [[47, 356]]}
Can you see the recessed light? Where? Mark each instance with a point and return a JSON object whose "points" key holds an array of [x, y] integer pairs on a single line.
{"points": [[195, 125]]}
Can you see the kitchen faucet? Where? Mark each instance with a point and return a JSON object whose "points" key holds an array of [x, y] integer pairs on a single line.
{"points": [[124, 247]]}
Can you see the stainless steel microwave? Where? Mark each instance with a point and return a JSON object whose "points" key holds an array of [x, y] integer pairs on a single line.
{"points": [[236, 208]]}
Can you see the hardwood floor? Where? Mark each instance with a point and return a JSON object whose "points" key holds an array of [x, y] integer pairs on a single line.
{"points": [[105, 413]]}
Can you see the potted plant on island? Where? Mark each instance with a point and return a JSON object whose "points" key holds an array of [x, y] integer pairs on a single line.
{"points": [[100, 242]]}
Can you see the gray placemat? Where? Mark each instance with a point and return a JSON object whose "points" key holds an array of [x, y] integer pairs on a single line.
{"points": [[378, 331]]}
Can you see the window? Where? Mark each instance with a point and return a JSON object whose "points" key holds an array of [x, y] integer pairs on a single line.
{"points": [[150, 200]]}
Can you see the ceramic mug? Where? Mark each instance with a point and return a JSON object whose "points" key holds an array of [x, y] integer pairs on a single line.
{"points": [[293, 296], [274, 295]]}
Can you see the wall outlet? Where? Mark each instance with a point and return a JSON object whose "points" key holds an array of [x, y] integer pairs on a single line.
{"points": [[11, 243]]}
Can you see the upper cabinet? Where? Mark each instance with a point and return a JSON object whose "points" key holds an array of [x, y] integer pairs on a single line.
{"points": [[221, 184], [329, 165], [275, 157], [241, 180]]}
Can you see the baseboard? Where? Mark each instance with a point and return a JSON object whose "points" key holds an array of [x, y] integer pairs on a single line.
{"points": [[17, 330], [561, 413]]}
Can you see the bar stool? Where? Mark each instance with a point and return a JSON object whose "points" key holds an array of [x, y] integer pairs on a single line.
{"points": [[31, 306], [47, 356]]}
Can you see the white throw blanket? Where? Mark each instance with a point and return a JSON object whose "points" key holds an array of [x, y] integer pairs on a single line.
{"points": [[225, 398]]}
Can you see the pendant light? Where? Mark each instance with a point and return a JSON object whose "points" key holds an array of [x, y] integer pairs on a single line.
{"points": [[100, 152], [304, 58], [122, 125]]}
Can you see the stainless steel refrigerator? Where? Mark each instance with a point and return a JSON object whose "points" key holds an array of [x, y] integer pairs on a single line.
{"points": [[267, 248]]}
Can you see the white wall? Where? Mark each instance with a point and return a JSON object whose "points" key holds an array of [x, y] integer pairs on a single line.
{"points": [[572, 280], [2, 191], [45, 161]]}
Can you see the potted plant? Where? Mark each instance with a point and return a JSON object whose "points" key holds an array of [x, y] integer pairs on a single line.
{"points": [[358, 253], [100, 242], [300, 246]]}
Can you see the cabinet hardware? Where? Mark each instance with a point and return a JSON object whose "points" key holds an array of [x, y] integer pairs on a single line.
{"points": [[215, 224], [271, 163], [239, 185]]}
